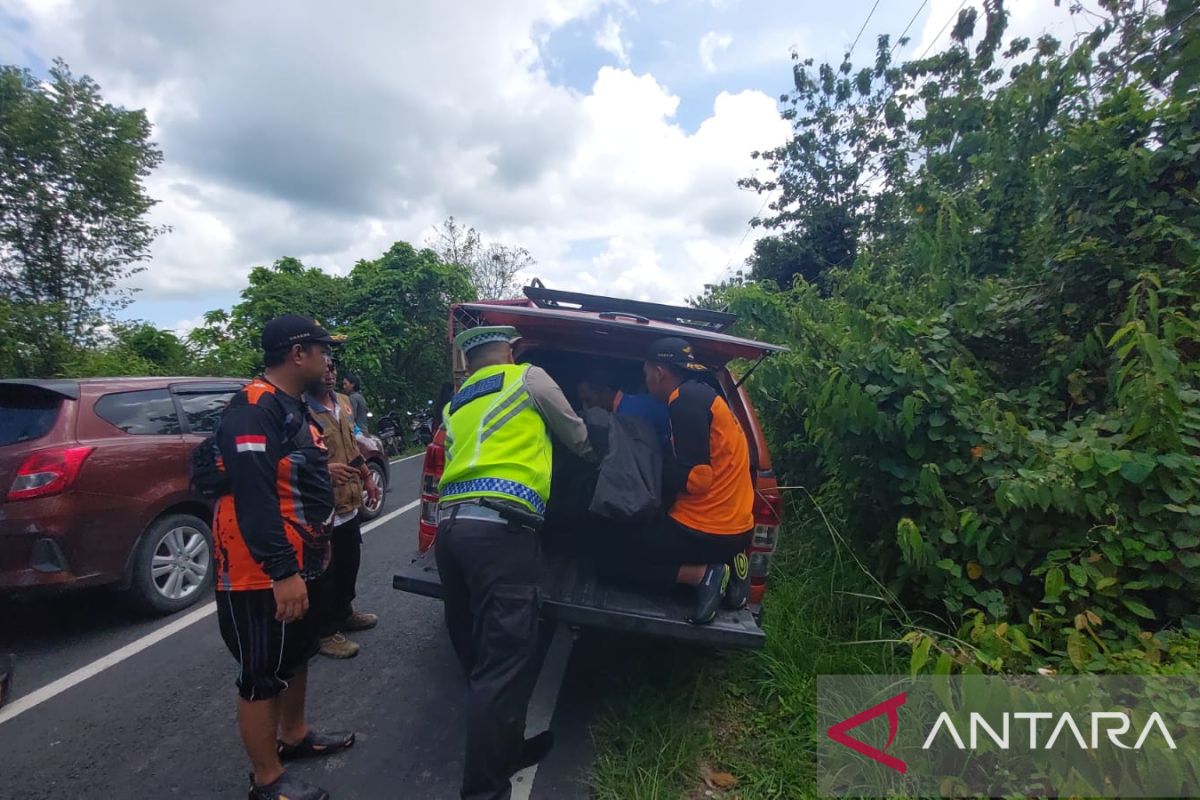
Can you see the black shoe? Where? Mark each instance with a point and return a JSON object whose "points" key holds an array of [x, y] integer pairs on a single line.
{"points": [[533, 750], [737, 594], [709, 592], [285, 787]]}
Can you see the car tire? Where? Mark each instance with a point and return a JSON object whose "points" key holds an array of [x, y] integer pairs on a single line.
{"points": [[380, 474], [167, 565]]}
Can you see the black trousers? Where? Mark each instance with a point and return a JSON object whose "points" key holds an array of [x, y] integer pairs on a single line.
{"points": [[649, 558], [489, 578], [331, 596]]}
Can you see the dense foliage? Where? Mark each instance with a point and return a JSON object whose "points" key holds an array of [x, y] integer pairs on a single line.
{"points": [[73, 213], [392, 309], [987, 264]]}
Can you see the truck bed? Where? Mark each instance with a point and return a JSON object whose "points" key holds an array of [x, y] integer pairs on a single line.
{"points": [[572, 593]]}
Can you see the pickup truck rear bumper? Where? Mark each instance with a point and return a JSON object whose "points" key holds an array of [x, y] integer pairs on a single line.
{"points": [[572, 594]]}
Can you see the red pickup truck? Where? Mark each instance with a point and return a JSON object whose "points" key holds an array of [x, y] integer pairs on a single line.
{"points": [[571, 335]]}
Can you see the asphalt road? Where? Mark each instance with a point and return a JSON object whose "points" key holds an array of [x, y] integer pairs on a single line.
{"points": [[160, 721]]}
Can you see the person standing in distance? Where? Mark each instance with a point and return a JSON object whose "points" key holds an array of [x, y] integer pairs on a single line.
{"points": [[352, 387], [493, 497], [272, 536]]}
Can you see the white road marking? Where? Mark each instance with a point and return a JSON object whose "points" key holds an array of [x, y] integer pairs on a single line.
{"points": [[541, 706], [407, 458], [51, 690]]}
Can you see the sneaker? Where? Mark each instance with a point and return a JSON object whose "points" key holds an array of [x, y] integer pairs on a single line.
{"points": [[338, 646], [709, 592], [737, 594], [360, 621], [285, 787]]}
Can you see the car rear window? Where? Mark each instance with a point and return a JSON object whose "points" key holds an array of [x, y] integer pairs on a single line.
{"points": [[26, 413], [146, 413], [203, 410]]}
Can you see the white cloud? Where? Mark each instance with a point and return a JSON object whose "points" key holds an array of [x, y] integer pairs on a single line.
{"points": [[608, 39], [329, 136], [712, 43]]}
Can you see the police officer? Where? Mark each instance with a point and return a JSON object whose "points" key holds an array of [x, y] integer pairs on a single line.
{"points": [[493, 497]]}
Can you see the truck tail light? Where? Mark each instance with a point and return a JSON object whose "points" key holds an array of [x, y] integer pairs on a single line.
{"points": [[431, 476], [768, 515], [47, 472]]}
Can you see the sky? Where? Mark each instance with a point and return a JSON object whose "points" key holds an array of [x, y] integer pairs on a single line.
{"points": [[605, 136]]}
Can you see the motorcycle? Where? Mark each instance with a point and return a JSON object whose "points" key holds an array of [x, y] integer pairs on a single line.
{"points": [[421, 426], [391, 434]]}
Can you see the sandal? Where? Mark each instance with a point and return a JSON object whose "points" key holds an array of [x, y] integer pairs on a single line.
{"points": [[316, 744]]}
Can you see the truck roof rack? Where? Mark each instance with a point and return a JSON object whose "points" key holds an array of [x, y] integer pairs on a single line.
{"points": [[680, 315]]}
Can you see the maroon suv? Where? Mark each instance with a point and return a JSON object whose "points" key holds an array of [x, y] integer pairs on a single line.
{"points": [[94, 487]]}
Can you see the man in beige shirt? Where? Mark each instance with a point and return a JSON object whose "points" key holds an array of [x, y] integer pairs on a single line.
{"points": [[335, 590]]}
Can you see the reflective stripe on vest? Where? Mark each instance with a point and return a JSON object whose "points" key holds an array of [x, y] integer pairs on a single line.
{"points": [[496, 441]]}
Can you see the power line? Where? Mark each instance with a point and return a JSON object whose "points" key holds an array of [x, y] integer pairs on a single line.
{"points": [[733, 252], [900, 38], [870, 14], [934, 41]]}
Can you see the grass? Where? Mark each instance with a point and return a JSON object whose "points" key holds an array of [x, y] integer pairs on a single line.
{"points": [[692, 724]]}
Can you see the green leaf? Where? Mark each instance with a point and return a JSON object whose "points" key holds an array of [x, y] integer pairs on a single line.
{"points": [[1185, 540], [1107, 462], [1077, 649], [1113, 551], [1137, 608], [1012, 575], [1104, 583], [1055, 582], [920, 655], [1136, 471], [1078, 574], [1082, 461]]}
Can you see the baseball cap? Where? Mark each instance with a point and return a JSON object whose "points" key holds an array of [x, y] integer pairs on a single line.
{"points": [[283, 332], [675, 351], [474, 337]]}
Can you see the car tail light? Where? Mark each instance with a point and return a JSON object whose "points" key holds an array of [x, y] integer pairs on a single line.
{"points": [[768, 514], [431, 476], [47, 472]]}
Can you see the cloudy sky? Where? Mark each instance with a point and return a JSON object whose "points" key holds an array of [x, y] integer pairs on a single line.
{"points": [[606, 136]]}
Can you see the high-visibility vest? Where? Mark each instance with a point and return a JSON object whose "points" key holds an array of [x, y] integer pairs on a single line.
{"points": [[496, 441]]}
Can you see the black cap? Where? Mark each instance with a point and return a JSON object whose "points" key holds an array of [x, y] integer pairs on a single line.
{"points": [[675, 351], [283, 332]]}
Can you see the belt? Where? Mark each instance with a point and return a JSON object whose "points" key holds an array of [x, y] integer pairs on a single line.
{"points": [[468, 509], [487, 510]]}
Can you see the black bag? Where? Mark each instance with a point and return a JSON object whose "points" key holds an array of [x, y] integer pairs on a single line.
{"points": [[209, 478], [629, 483]]}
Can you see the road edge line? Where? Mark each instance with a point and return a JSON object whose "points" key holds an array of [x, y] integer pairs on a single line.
{"points": [[544, 701], [73, 679]]}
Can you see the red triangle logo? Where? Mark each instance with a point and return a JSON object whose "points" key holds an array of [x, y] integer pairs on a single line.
{"points": [[889, 707]]}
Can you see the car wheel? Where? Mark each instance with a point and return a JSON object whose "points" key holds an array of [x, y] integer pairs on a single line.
{"points": [[173, 567], [372, 510]]}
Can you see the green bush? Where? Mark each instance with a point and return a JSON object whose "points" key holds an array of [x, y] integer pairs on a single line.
{"points": [[1004, 388]]}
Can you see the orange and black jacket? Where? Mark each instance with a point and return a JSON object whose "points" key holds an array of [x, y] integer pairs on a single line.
{"points": [[276, 521], [708, 468]]}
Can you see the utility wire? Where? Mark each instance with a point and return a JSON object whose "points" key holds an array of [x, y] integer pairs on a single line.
{"points": [[900, 38], [870, 14]]}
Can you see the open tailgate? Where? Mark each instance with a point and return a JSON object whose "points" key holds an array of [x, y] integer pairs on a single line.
{"points": [[572, 594]]}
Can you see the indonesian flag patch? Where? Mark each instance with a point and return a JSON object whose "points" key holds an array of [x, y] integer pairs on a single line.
{"points": [[251, 444]]}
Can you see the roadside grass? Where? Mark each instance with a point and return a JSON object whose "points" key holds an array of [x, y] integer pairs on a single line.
{"points": [[693, 724]]}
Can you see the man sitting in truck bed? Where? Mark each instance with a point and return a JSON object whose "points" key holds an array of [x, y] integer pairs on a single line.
{"points": [[600, 390], [703, 538]]}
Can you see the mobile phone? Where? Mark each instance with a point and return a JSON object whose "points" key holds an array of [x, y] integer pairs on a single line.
{"points": [[358, 461]]}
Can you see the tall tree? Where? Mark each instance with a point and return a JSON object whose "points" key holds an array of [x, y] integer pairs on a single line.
{"points": [[393, 309], [73, 202], [494, 268]]}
